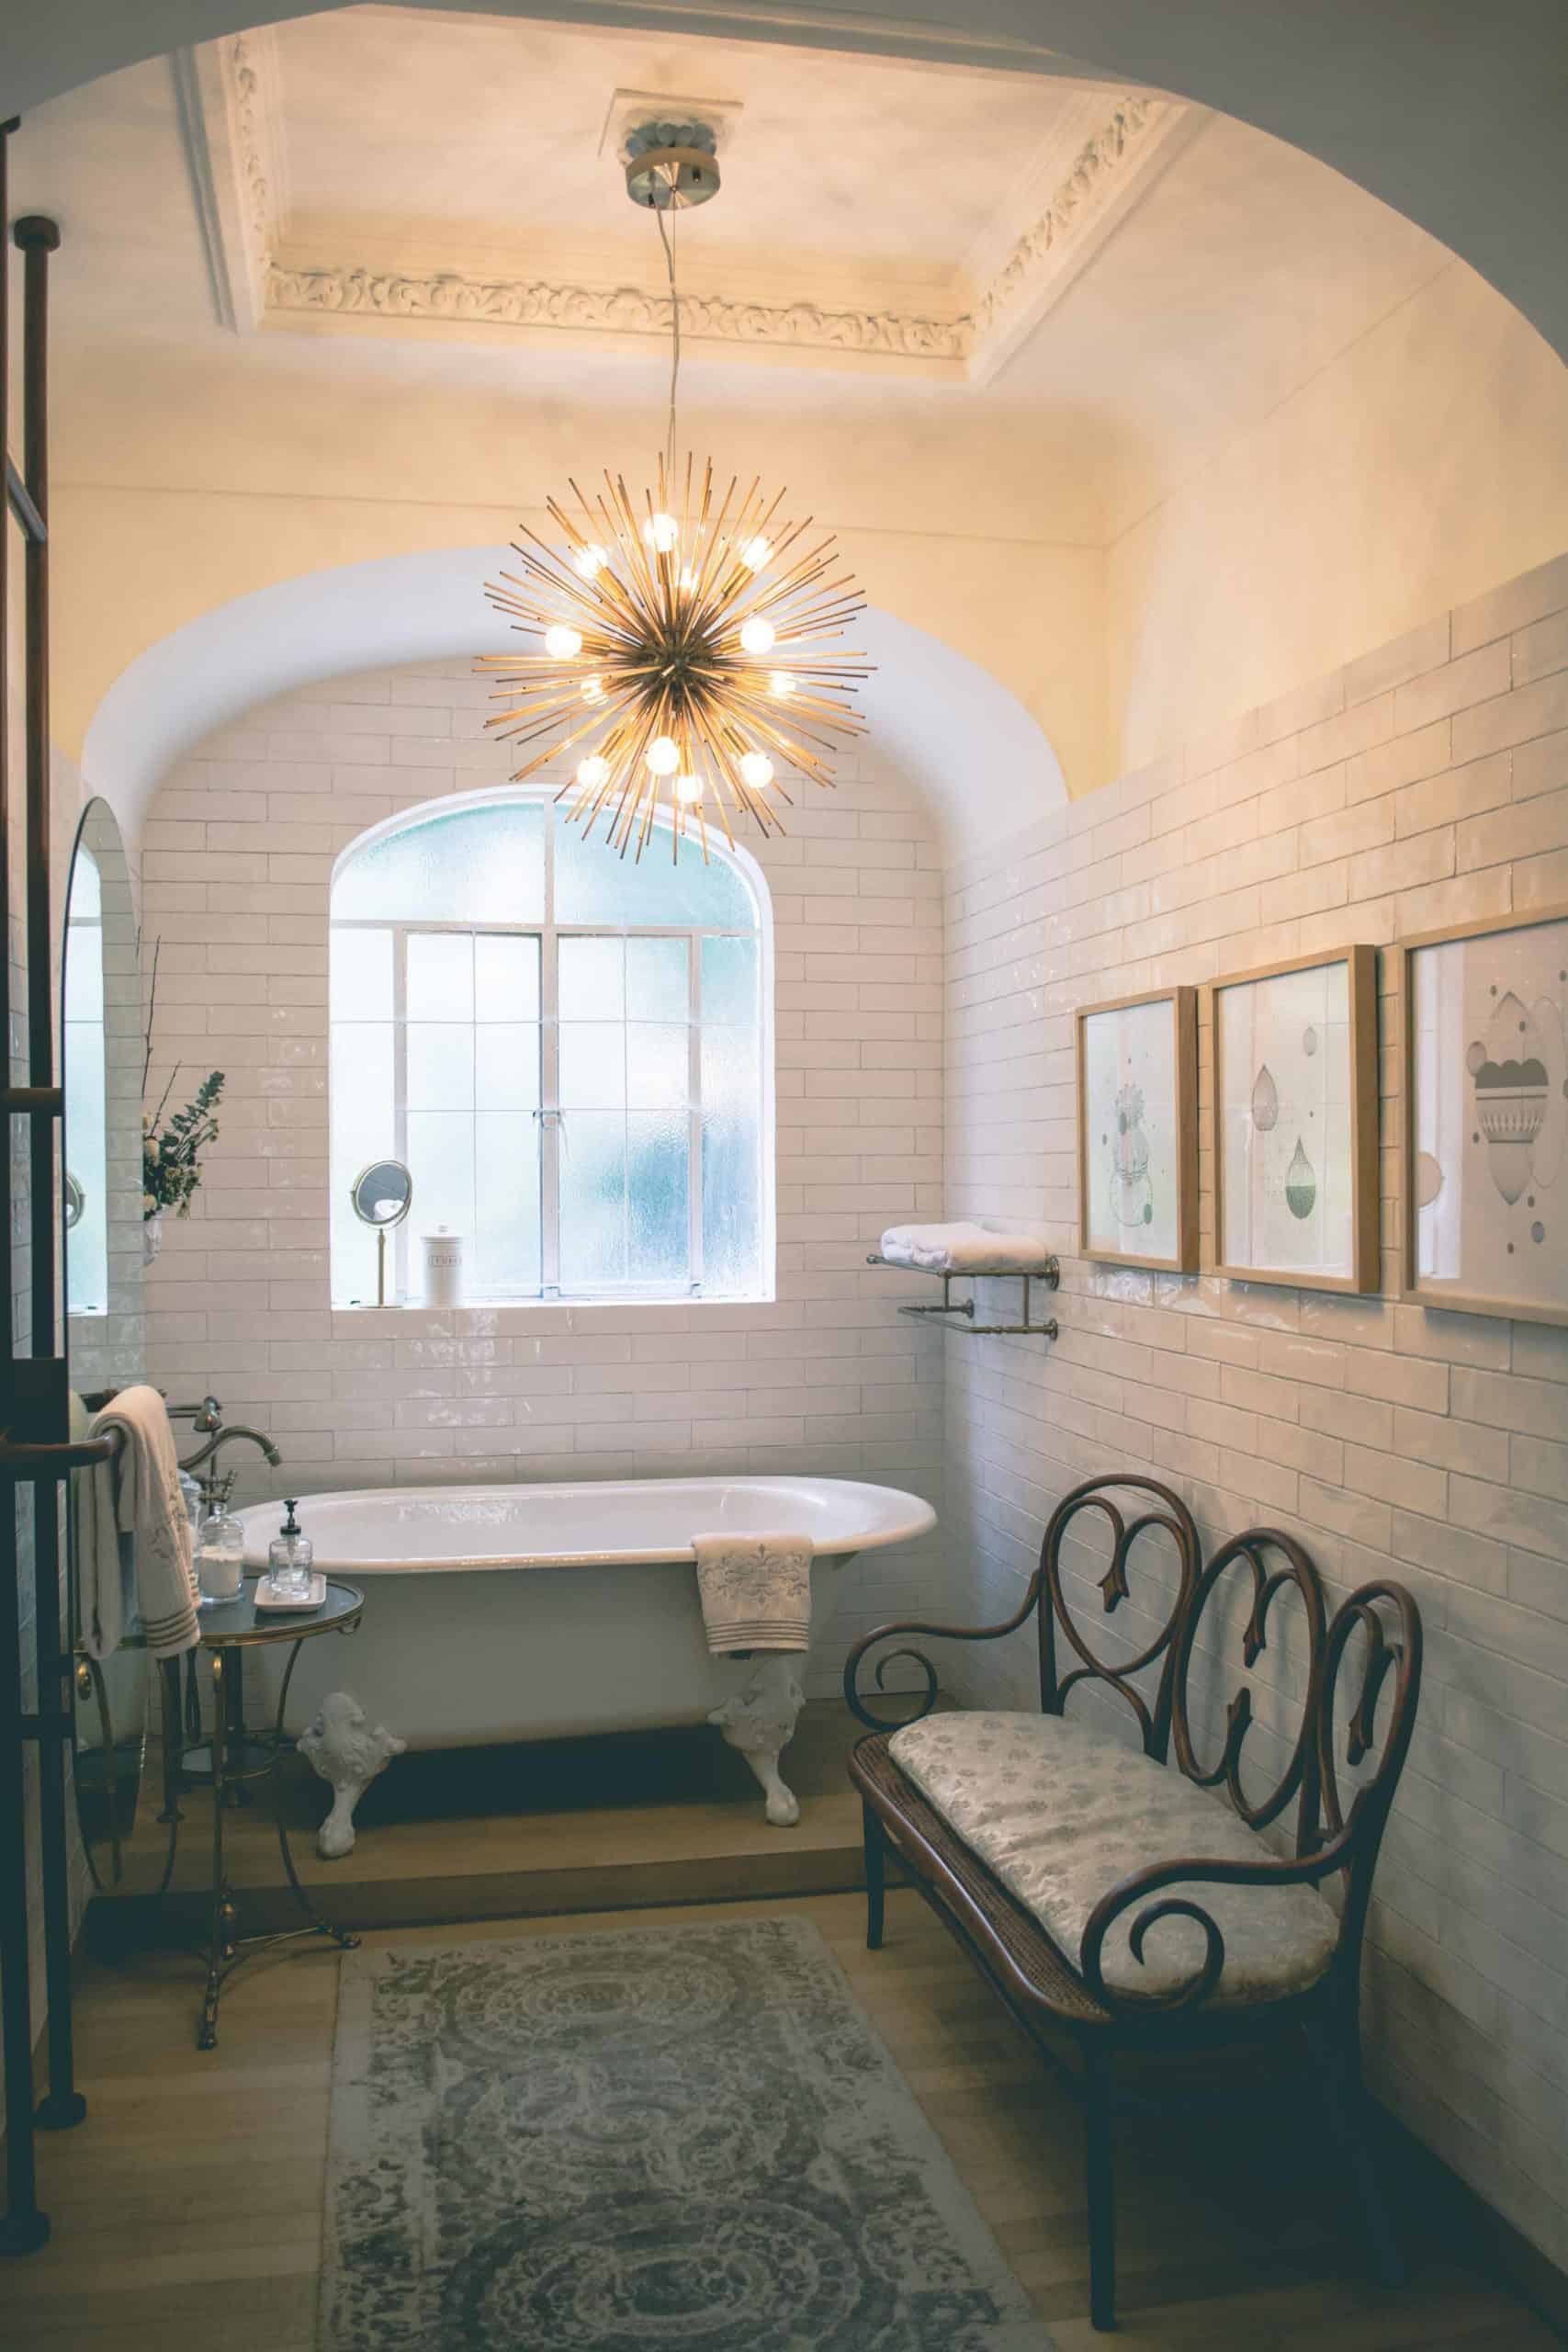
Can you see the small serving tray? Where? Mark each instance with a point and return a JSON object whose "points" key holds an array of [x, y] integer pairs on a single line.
{"points": [[270, 1602]]}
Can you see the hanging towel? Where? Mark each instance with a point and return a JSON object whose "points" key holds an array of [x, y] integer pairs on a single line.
{"points": [[961, 1249], [135, 1496], [756, 1591]]}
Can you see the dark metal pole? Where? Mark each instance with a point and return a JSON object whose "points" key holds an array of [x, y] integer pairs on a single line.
{"points": [[63, 2106], [24, 2228]]}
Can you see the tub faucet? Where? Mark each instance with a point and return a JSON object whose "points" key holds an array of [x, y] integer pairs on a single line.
{"points": [[214, 1484]]}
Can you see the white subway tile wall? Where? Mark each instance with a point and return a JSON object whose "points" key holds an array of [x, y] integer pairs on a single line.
{"points": [[1426, 783], [238, 855]]}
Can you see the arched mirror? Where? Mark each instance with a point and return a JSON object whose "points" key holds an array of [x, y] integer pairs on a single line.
{"points": [[101, 1060]]}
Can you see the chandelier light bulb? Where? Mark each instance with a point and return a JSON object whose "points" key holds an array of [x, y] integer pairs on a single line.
{"points": [[563, 643], [593, 688], [756, 770], [688, 787], [662, 533], [662, 755], [757, 554], [781, 685], [588, 562], [757, 635], [688, 578], [593, 772]]}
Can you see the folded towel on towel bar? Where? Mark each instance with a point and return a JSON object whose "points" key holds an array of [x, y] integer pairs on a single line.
{"points": [[756, 1591], [963, 1248], [132, 1503]]}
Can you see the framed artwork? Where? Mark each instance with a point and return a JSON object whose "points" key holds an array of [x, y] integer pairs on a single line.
{"points": [[1296, 1123], [1137, 1090], [1486, 1117]]}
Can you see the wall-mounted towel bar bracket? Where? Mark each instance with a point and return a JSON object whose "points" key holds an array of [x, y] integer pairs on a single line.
{"points": [[958, 1314]]}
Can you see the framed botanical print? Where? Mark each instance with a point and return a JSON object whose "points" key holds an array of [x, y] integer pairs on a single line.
{"points": [[1486, 1117], [1295, 1120], [1137, 1092]]}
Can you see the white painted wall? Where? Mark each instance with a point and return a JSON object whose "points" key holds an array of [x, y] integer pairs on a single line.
{"points": [[1425, 462], [1425, 783], [238, 854]]}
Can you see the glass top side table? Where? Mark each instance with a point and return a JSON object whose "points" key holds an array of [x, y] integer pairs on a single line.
{"points": [[228, 1630]]}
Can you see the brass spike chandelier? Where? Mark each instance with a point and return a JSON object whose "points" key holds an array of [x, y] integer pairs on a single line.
{"points": [[688, 654]]}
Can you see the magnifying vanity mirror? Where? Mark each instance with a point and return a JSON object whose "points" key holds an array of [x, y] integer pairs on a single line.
{"points": [[382, 1196], [101, 1034]]}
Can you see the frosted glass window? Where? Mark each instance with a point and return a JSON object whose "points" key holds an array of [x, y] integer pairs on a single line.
{"points": [[471, 865], [594, 886], [568, 1050]]}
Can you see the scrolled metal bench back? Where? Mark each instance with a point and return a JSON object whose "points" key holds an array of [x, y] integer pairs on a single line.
{"points": [[1170, 1516]]}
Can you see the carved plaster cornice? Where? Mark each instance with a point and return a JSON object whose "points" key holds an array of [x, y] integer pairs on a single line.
{"points": [[1106, 178], [348, 291]]}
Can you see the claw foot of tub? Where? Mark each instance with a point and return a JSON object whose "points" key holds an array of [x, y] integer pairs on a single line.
{"points": [[348, 1755], [758, 1722]]}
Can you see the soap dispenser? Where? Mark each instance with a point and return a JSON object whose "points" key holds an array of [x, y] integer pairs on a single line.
{"points": [[291, 1557]]}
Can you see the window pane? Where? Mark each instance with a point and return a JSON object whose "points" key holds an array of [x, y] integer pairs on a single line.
{"points": [[592, 1064], [506, 1205], [506, 1066], [593, 1199], [658, 1066], [592, 980], [440, 975], [441, 1157], [732, 1164], [482, 865], [729, 980], [361, 976], [441, 1066], [658, 979], [658, 1182], [593, 885], [506, 979]]}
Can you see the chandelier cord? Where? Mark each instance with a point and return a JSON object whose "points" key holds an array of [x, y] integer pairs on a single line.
{"points": [[666, 239]]}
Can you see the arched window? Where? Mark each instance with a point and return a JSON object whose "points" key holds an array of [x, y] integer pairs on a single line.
{"points": [[572, 1052]]}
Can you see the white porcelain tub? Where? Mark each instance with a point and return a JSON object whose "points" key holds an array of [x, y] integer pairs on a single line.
{"points": [[529, 1612]]}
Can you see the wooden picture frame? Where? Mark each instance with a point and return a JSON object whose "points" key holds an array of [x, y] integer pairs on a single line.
{"points": [[1359, 1172], [1502, 1139], [1177, 1120]]}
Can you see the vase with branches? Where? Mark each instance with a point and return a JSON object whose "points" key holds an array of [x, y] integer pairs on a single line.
{"points": [[171, 1152]]}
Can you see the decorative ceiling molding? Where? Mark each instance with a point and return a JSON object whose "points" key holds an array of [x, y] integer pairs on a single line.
{"points": [[352, 292], [232, 95]]}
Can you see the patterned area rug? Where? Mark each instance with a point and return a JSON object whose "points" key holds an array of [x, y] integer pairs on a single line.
{"points": [[652, 2140]]}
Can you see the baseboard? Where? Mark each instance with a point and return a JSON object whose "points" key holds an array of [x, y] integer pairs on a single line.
{"points": [[1469, 2220]]}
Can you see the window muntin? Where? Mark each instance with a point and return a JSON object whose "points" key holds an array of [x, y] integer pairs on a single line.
{"points": [[570, 1052]]}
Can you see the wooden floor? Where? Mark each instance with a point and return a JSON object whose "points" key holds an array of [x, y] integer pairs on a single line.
{"points": [[187, 2208]]}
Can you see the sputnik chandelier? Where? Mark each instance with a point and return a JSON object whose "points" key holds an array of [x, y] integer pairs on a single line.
{"points": [[689, 655]]}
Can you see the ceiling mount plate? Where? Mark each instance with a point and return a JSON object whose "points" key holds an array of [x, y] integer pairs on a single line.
{"points": [[672, 174]]}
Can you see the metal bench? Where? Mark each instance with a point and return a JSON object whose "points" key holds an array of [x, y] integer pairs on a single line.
{"points": [[1096, 1882]]}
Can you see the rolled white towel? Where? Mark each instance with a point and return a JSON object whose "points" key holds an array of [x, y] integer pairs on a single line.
{"points": [[962, 1248]]}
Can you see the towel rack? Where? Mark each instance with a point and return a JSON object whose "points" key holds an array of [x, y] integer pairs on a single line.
{"points": [[958, 1314], [35, 1449]]}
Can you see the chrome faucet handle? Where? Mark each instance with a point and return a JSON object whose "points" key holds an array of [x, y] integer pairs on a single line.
{"points": [[206, 1417], [215, 1491]]}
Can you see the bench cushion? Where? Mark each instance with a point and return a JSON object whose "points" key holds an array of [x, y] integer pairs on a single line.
{"points": [[1062, 1813]]}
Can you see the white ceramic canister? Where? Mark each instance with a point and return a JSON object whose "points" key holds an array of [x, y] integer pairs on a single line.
{"points": [[443, 1267]]}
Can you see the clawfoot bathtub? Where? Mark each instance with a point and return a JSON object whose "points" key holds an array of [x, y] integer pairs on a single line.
{"points": [[500, 1614]]}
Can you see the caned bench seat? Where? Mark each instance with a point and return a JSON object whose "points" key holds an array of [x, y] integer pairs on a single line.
{"points": [[1061, 1812]]}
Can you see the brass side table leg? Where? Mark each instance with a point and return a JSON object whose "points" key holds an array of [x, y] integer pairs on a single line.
{"points": [[339, 1936], [221, 1938]]}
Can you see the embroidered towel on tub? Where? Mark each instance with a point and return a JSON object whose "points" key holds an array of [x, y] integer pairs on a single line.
{"points": [[756, 1591]]}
